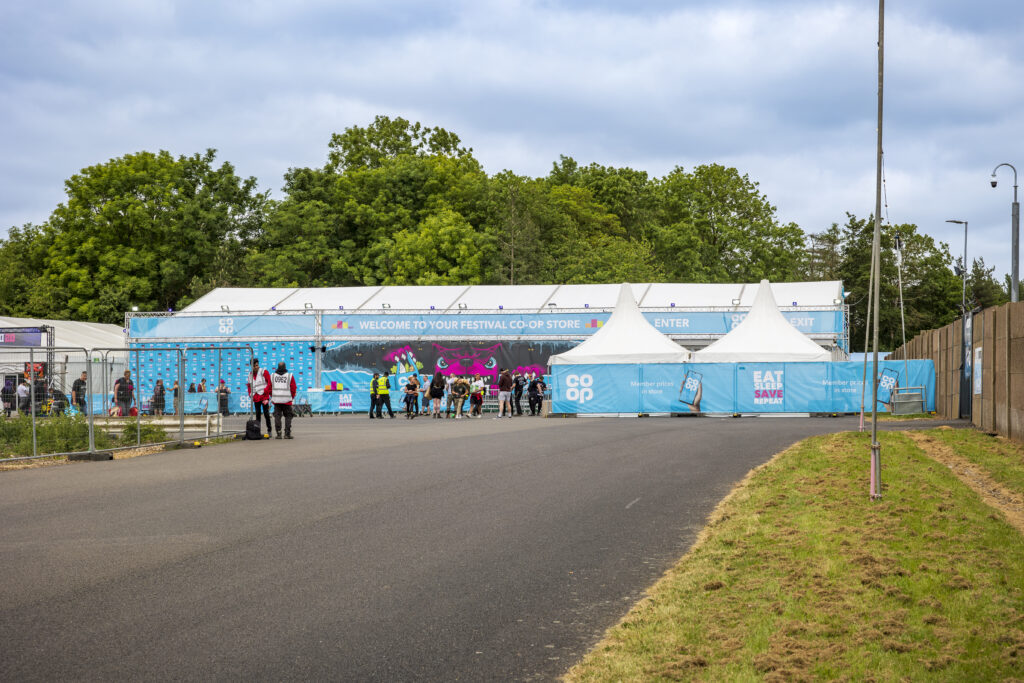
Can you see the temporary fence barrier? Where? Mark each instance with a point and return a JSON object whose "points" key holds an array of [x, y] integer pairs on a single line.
{"points": [[104, 414]]}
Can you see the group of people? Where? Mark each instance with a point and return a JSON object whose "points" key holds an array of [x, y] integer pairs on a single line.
{"points": [[453, 391], [278, 388]]}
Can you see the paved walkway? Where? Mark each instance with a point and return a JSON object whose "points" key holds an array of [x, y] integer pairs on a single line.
{"points": [[362, 550]]}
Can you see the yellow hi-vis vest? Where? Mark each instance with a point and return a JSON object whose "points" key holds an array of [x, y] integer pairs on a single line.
{"points": [[382, 387]]}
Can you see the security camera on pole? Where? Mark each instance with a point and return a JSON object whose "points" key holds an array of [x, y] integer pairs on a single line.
{"points": [[1014, 235]]}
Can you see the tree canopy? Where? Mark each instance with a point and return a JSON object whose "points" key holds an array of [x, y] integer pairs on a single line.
{"points": [[400, 203]]}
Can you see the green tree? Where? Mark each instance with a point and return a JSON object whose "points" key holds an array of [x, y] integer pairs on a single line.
{"points": [[444, 250], [22, 259], [716, 226], [931, 292], [141, 230], [982, 287], [388, 138]]}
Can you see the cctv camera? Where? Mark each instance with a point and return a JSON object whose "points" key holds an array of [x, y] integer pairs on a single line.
{"points": [[993, 181]]}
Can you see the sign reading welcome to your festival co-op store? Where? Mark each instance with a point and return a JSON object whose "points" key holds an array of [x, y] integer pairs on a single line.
{"points": [[441, 325], [576, 324]]}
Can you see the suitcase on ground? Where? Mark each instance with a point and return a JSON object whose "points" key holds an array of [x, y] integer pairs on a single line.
{"points": [[252, 430]]}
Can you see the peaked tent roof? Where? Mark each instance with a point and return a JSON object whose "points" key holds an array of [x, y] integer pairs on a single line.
{"points": [[627, 337], [764, 335]]}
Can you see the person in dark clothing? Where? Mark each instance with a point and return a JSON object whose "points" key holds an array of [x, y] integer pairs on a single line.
{"points": [[412, 397], [7, 396], [518, 384], [159, 397], [223, 392], [536, 394], [124, 394], [78, 390], [373, 394], [384, 395]]}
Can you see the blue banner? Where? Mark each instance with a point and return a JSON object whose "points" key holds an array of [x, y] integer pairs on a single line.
{"points": [[733, 387], [270, 325], [455, 325]]}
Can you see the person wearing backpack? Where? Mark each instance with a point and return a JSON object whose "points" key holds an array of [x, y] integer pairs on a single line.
{"points": [[282, 394]]}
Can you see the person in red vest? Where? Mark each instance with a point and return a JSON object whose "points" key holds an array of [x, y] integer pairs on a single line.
{"points": [[258, 386], [282, 394]]}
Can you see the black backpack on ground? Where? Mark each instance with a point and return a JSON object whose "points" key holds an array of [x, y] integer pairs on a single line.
{"points": [[252, 430]]}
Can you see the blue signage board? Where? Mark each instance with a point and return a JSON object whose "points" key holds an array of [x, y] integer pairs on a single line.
{"points": [[175, 327], [546, 324], [732, 387]]}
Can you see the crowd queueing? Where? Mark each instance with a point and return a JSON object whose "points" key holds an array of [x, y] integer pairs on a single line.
{"points": [[453, 391]]}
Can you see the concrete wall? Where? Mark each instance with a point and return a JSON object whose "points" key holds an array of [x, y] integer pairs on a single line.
{"points": [[998, 398]]}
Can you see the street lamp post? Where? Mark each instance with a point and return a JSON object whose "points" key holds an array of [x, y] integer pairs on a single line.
{"points": [[1014, 235], [963, 297], [965, 343]]}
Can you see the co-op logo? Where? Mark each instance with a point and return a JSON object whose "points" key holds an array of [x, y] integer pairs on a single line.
{"points": [[226, 325], [579, 388]]}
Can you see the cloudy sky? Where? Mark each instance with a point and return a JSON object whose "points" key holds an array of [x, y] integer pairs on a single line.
{"points": [[783, 91]]}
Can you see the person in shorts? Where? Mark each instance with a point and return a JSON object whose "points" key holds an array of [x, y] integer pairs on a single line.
{"points": [[436, 394], [460, 392], [505, 385]]}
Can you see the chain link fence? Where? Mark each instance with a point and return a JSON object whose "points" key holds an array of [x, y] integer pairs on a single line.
{"points": [[91, 403]]}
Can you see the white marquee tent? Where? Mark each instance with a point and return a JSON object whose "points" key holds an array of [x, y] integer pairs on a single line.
{"points": [[763, 336], [72, 333], [627, 337]]}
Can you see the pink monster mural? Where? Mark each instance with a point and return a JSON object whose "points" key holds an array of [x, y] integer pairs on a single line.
{"points": [[472, 360]]}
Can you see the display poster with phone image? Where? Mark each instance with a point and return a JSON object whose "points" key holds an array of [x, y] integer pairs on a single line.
{"points": [[691, 390], [888, 382]]}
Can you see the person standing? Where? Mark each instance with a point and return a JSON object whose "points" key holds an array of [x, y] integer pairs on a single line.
{"points": [[24, 397], [460, 391], [436, 393], [384, 395], [7, 396], [518, 384], [202, 386], [415, 381], [374, 407], [536, 394], [124, 394], [504, 394], [282, 394], [223, 393], [78, 391], [476, 397], [258, 387], [175, 391], [159, 397], [425, 392], [412, 397]]}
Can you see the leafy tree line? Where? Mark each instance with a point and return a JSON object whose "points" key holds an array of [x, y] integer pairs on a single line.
{"points": [[399, 203]]}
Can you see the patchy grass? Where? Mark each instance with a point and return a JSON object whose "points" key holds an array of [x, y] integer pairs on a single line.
{"points": [[799, 576], [1001, 458], [889, 417]]}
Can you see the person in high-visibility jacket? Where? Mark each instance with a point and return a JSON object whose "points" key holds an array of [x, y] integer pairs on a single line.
{"points": [[373, 394], [282, 394], [384, 395]]}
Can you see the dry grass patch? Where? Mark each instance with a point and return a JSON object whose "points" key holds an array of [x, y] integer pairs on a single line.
{"points": [[798, 576]]}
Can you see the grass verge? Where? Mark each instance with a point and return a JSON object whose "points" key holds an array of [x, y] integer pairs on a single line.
{"points": [[799, 576]]}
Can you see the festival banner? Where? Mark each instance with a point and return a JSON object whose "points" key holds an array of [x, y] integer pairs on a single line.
{"points": [[175, 327], [579, 325]]}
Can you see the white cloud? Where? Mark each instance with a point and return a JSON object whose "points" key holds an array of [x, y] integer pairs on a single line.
{"points": [[783, 91]]}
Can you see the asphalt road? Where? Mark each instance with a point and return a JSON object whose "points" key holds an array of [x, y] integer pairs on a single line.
{"points": [[362, 550]]}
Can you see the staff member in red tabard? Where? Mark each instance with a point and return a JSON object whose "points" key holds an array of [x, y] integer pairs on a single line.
{"points": [[282, 394], [258, 386]]}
